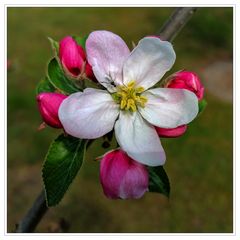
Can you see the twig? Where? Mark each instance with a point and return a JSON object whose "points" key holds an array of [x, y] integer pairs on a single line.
{"points": [[33, 216], [176, 22], [169, 30]]}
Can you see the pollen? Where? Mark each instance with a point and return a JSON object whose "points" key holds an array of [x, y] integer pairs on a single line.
{"points": [[129, 97]]}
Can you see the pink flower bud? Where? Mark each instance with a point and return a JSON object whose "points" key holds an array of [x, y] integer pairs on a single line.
{"points": [[48, 104], [187, 80], [122, 177], [73, 58], [171, 132]]}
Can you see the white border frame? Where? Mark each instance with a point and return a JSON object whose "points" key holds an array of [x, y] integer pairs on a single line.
{"points": [[3, 105]]}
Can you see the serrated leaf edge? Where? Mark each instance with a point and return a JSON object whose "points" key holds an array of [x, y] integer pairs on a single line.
{"points": [[45, 191]]}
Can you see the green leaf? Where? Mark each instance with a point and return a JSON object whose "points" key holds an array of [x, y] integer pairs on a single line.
{"points": [[201, 106], [62, 163], [54, 45], [58, 78], [158, 180], [81, 40], [45, 86]]}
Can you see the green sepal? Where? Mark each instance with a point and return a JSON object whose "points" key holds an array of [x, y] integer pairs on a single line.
{"points": [[44, 86], [59, 80], [81, 40], [158, 181], [201, 106], [88, 83], [54, 45], [62, 163]]}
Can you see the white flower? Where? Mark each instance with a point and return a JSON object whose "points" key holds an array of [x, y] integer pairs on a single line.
{"points": [[127, 105]]}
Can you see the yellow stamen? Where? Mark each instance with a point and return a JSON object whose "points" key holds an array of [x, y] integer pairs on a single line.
{"points": [[130, 97], [131, 84], [123, 103], [139, 89]]}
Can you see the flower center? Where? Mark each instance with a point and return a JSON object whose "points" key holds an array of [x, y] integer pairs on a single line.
{"points": [[129, 97]]}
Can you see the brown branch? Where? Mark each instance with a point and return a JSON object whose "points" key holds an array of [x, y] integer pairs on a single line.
{"points": [[175, 23], [168, 32], [33, 216]]}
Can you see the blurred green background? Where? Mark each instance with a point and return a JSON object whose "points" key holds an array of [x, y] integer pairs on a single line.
{"points": [[199, 164]]}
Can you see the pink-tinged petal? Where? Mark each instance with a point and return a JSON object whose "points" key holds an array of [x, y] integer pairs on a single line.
{"points": [[48, 104], [106, 53], [187, 80], [139, 139], [122, 177], [154, 36], [148, 62], [71, 55], [89, 114], [171, 132], [169, 108]]}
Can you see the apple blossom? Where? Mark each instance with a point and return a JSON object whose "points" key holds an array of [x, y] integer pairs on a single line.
{"points": [[122, 177], [48, 104], [187, 80], [129, 104], [183, 80], [73, 58], [171, 132]]}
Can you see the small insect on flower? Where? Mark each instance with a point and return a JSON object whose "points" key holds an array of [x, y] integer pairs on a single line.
{"points": [[129, 104]]}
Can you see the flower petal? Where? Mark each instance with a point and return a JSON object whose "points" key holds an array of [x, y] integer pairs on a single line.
{"points": [[106, 53], [169, 107], [88, 115], [148, 62], [122, 177], [139, 139]]}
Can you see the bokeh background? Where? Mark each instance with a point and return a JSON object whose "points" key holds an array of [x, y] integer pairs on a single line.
{"points": [[199, 164]]}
